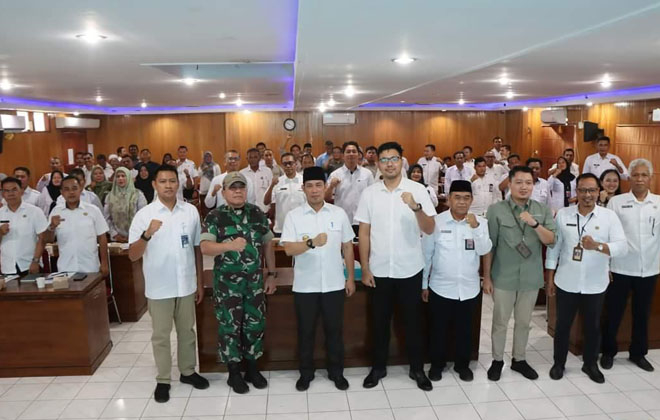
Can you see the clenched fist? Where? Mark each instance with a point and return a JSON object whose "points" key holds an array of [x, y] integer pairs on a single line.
{"points": [[408, 198], [471, 219], [528, 218], [238, 244], [153, 227], [4, 229], [320, 239], [55, 221]]}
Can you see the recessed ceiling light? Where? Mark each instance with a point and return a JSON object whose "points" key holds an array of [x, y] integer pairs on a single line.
{"points": [[503, 81], [444, 110], [510, 94], [247, 111], [222, 95], [99, 98], [403, 102], [621, 104], [91, 37], [606, 82], [349, 91], [525, 109], [322, 107], [404, 59], [331, 102], [590, 103], [189, 81], [5, 85], [143, 104], [76, 113], [239, 102], [461, 101]]}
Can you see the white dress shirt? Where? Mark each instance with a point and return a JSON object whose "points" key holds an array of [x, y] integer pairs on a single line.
{"points": [[168, 262], [497, 171], [597, 165], [86, 196], [318, 270], [485, 191], [498, 155], [30, 196], [43, 182], [17, 246], [350, 188], [641, 222], [557, 192], [395, 237], [453, 269], [213, 202], [287, 195], [454, 174], [189, 165], [431, 170], [575, 169], [541, 192], [77, 237], [591, 275], [88, 174], [108, 172], [261, 179]]}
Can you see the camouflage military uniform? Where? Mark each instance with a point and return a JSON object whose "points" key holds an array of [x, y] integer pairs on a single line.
{"points": [[238, 286]]}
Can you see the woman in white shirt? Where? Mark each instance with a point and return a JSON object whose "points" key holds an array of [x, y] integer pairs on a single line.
{"points": [[416, 173], [121, 205], [207, 170], [48, 197], [562, 186]]}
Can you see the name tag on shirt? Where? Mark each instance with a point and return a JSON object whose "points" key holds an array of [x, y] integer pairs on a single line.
{"points": [[571, 224], [469, 244], [445, 231], [185, 241], [629, 206], [490, 187]]}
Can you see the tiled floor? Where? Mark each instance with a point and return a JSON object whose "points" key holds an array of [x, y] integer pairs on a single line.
{"points": [[122, 388]]}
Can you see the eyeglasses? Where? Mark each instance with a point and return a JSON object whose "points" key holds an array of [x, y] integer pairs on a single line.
{"points": [[289, 163], [232, 159], [587, 190], [393, 159]]}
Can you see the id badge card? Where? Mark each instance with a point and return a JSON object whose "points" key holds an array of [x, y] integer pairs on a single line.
{"points": [[469, 244], [523, 250], [577, 253], [185, 241]]}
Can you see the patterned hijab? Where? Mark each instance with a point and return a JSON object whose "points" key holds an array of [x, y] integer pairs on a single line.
{"points": [[122, 201]]}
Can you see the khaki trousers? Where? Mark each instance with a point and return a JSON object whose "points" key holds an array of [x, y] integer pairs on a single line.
{"points": [[180, 312], [521, 303]]}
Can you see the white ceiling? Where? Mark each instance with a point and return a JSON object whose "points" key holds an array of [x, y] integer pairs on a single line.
{"points": [[290, 54]]}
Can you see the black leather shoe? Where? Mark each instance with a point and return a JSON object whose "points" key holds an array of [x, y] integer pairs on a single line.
{"points": [[594, 373], [196, 380], [302, 384], [235, 380], [423, 382], [373, 377], [643, 363], [495, 370], [464, 373], [556, 372], [435, 373], [522, 367], [606, 361], [254, 376], [340, 382], [162, 393]]}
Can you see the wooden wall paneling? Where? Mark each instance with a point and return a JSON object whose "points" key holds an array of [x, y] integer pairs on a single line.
{"points": [[634, 141]]}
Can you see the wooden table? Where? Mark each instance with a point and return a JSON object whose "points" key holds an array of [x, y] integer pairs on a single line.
{"points": [[128, 282], [280, 342], [47, 332], [576, 338]]}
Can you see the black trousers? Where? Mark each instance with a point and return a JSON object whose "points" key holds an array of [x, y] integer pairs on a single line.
{"points": [[642, 289], [443, 312], [591, 307], [408, 293], [331, 307]]}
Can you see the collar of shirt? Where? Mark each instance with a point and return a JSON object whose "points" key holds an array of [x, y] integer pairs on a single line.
{"points": [[21, 207], [309, 209], [397, 188], [515, 205], [348, 171], [630, 198], [160, 206]]}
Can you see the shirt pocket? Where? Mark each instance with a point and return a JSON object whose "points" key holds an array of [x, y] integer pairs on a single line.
{"points": [[510, 232], [445, 240]]}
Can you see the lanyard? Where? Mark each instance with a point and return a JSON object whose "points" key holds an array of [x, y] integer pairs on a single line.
{"points": [[522, 228], [581, 231]]}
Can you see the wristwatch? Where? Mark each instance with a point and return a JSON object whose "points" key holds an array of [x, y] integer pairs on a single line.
{"points": [[272, 273], [600, 247], [35, 260], [310, 244], [418, 208], [144, 237], [536, 225]]}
